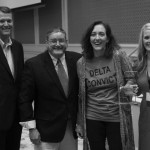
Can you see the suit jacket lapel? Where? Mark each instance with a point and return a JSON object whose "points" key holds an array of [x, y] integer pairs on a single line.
{"points": [[4, 61], [70, 71], [51, 70], [15, 56]]}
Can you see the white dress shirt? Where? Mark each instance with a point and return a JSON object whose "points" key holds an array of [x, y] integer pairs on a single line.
{"points": [[63, 61], [8, 54]]}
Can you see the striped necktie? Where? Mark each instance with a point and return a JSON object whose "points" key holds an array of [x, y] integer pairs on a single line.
{"points": [[62, 76]]}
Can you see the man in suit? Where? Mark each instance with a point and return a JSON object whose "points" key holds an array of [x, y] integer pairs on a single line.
{"points": [[11, 66], [52, 122]]}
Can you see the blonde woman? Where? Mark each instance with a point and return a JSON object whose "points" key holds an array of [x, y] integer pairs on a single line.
{"points": [[144, 86]]}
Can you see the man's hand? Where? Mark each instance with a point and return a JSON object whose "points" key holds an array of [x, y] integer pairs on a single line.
{"points": [[34, 136], [130, 90], [79, 131]]}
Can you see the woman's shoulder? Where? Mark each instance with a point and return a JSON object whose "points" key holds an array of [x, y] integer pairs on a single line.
{"points": [[120, 53], [81, 60]]}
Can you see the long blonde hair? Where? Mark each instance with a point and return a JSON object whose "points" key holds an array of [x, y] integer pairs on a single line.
{"points": [[141, 49]]}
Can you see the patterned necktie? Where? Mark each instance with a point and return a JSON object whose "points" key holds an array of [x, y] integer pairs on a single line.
{"points": [[62, 76]]}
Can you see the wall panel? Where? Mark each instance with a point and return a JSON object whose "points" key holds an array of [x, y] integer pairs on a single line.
{"points": [[49, 17], [24, 26], [126, 17]]}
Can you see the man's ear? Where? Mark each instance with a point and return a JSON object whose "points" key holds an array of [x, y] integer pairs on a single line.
{"points": [[66, 43]]}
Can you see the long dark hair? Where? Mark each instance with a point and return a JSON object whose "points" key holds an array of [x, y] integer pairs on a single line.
{"points": [[86, 44]]}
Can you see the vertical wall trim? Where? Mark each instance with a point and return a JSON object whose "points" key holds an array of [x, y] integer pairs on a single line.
{"points": [[36, 26], [64, 8]]}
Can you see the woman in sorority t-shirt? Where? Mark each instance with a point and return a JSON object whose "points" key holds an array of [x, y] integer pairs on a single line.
{"points": [[104, 95]]}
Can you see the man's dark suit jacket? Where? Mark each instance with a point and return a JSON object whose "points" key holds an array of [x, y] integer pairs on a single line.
{"points": [[9, 85], [40, 83]]}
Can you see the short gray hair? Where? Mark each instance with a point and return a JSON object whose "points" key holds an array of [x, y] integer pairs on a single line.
{"points": [[57, 29], [5, 9]]}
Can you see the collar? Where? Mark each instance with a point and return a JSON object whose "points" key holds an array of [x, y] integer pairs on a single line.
{"points": [[55, 59], [4, 45]]}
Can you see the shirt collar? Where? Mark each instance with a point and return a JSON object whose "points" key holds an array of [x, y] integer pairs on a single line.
{"points": [[4, 45], [55, 59]]}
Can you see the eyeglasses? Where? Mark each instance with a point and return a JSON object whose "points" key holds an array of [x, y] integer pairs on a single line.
{"points": [[54, 41]]}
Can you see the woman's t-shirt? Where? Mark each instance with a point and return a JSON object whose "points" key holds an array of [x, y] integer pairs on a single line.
{"points": [[102, 99]]}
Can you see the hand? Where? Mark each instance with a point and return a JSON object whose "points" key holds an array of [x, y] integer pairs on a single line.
{"points": [[34, 136], [79, 131], [130, 89]]}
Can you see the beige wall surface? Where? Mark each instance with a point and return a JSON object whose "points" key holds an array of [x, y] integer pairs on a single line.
{"points": [[30, 21], [31, 50]]}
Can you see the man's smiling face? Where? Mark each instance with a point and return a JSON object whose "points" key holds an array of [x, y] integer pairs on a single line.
{"points": [[6, 24]]}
